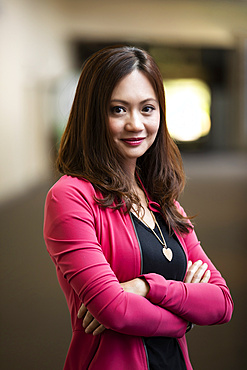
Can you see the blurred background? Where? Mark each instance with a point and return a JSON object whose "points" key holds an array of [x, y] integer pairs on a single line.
{"points": [[201, 49]]}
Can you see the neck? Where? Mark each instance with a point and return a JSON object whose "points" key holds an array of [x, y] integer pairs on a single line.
{"points": [[132, 181], [130, 170]]}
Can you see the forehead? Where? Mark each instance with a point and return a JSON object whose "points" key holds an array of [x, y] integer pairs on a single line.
{"points": [[135, 84]]}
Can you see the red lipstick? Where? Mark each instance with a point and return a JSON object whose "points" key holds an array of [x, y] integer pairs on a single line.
{"points": [[134, 141]]}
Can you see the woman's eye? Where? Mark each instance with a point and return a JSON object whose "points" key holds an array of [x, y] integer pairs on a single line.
{"points": [[117, 110], [148, 109]]}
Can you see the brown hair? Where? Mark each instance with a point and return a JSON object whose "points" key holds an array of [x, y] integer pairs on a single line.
{"points": [[88, 150]]}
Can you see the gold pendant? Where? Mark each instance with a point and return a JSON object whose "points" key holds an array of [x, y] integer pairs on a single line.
{"points": [[167, 253]]}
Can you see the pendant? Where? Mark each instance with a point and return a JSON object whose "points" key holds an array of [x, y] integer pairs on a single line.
{"points": [[167, 253]]}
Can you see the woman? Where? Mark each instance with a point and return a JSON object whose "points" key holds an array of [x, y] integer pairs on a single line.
{"points": [[128, 260]]}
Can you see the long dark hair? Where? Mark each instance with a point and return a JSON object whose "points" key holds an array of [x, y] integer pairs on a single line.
{"points": [[88, 150]]}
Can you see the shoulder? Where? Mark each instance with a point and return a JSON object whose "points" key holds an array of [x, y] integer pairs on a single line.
{"points": [[71, 189], [70, 200], [182, 212], [68, 184]]}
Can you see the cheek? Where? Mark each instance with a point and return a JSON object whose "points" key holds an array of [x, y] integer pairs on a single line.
{"points": [[113, 127], [155, 125]]}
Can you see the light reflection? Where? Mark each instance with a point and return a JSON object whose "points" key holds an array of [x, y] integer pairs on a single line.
{"points": [[187, 109]]}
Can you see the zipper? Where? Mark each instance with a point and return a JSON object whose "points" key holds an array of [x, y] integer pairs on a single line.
{"points": [[141, 271]]}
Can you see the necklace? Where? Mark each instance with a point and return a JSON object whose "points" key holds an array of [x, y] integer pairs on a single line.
{"points": [[167, 252]]}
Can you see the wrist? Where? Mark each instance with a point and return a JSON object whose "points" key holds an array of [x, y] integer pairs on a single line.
{"points": [[137, 286], [142, 287]]}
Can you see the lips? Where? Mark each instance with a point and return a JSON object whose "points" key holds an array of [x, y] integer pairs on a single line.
{"points": [[134, 141]]}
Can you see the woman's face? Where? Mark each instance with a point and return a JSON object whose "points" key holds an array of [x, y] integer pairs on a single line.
{"points": [[134, 116]]}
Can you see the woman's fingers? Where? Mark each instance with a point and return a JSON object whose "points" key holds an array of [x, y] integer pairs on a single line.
{"points": [[197, 272], [87, 320], [206, 277], [189, 265], [89, 323], [92, 326], [81, 312], [99, 330], [192, 271]]}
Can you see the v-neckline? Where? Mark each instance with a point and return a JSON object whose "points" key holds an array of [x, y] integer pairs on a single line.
{"points": [[142, 223]]}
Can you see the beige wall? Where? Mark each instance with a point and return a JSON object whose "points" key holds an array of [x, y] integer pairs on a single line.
{"points": [[32, 55]]}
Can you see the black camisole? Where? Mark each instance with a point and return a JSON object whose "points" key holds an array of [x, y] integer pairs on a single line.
{"points": [[164, 353]]}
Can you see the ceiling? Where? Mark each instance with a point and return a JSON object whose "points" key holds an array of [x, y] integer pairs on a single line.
{"points": [[218, 23]]}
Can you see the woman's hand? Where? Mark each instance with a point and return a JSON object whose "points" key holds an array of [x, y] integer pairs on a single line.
{"points": [[137, 286], [89, 323], [197, 272]]}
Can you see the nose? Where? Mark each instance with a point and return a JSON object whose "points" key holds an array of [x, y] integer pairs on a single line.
{"points": [[135, 122]]}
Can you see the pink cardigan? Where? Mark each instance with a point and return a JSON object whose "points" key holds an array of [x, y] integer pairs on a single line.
{"points": [[94, 249]]}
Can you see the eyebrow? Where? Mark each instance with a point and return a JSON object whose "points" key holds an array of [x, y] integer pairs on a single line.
{"points": [[127, 103]]}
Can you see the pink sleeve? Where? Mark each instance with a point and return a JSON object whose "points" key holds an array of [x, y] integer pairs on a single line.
{"points": [[202, 303], [69, 231]]}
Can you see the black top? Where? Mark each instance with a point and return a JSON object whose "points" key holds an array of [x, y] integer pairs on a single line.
{"points": [[164, 353]]}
